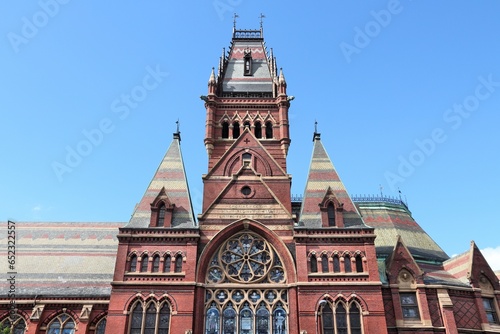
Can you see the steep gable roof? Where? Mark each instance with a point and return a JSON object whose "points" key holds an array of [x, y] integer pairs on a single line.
{"points": [[322, 175], [171, 176]]}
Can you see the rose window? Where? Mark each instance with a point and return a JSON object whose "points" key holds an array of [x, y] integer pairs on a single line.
{"points": [[246, 258]]}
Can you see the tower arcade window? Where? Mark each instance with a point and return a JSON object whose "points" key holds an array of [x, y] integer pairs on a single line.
{"points": [[347, 264], [269, 130], [101, 326], [359, 264], [144, 263], [167, 264], [225, 130], [236, 130], [156, 263], [258, 130], [324, 263], [178, 263], [314, 264], [336, 264], [133, 263]]}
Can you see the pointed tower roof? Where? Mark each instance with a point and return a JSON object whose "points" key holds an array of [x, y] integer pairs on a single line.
{"points": [[471, 267], [247, 68], [322, 175], [170, 179]]}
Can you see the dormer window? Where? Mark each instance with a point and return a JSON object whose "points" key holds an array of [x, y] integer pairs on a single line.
{"points": [[161, 215], [247, 62]]}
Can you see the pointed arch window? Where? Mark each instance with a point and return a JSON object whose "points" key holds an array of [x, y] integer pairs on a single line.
{"points": [[258, 130], [314, 264], [341, 318], [324, 263], [331, 214], [144, 263], [63, 324], [225, 130], [359, 264], [178, 263], [345, 320], [101, 326], [236, 130], [336, 264], [151, 321], [262, 320], [347, 264], [133, 263], [246, 125], [246, 319], [167, 264], [269, 130], [161, 215], [156, 263], [17, 325], [279, 318]]}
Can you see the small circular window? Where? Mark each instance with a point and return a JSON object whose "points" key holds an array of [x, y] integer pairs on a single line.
{"points": [[246, 190]]}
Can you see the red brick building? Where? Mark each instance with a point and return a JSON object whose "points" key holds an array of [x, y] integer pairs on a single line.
{"points": [[255, 260]]}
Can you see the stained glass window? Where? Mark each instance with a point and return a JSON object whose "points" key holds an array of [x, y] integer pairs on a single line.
{"points": [[262, 320], [62, 324], [279, 319], [101, 327], [17, 326], [229, 320], [341, 319], [327, 319], [153, 321], [355, 319], [246, 320], [212, 320]]}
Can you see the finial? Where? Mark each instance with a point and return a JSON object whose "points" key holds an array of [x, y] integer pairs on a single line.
{"points": [[282, 77], [261, 21], [177, 135], [212, 77], [381, 188], [317, 135], [234, 20]]}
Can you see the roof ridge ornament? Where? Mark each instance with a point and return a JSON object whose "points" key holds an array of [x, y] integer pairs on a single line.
{"points": [[234, 21], [316, 135]]}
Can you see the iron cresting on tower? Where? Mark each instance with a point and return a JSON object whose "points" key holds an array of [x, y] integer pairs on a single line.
{"points": [[255, 260]]}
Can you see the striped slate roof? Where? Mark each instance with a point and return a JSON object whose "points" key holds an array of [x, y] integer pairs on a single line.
{"points": [[261, 79], [322, 174], [62, 259], [170, 175], [391, 220]]}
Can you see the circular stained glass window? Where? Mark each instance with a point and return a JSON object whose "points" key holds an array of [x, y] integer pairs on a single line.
{"points": [[246, 190]]}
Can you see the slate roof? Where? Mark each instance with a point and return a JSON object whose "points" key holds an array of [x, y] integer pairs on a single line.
{"points": [[391, 220], [170, 175], [232, 71], [322, 174], [62, 259]]}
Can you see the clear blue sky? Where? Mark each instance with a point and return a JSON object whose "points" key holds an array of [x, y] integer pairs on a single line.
{"points": [[406, 94]]}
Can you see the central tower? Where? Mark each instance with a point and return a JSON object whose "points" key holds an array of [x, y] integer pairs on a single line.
{"points": [[246, 138]]}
